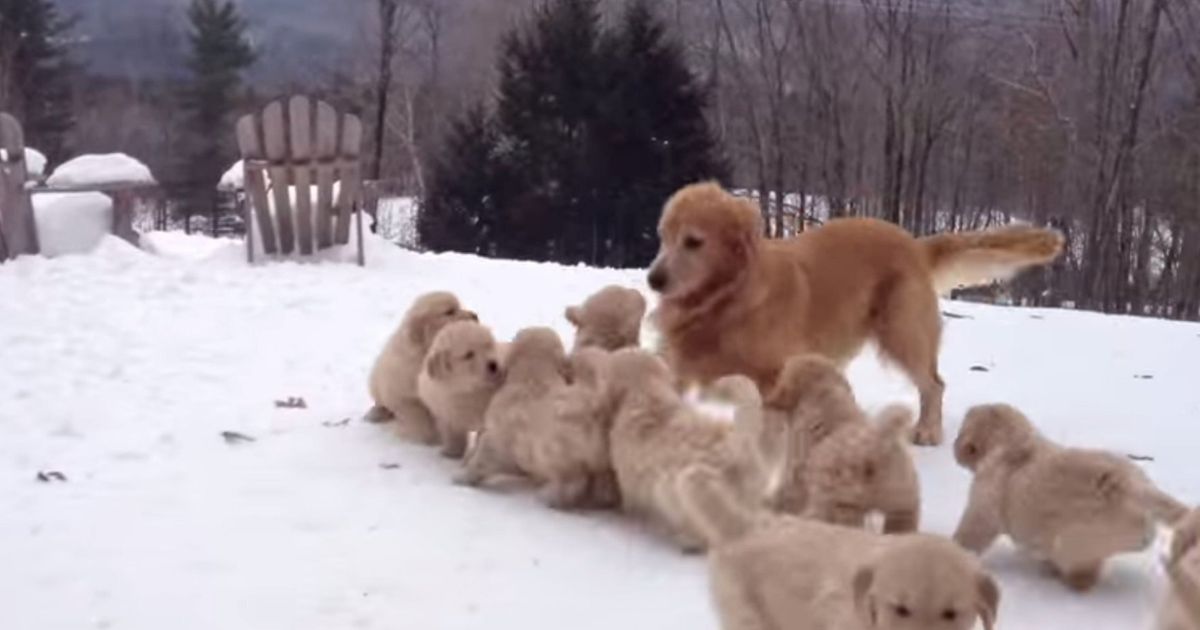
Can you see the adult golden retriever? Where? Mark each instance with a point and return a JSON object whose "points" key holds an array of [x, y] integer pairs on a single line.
{"points": [[733, 302]]}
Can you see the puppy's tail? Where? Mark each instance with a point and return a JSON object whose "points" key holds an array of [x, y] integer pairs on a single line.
{"points": [[712, 505], [974, 258]]}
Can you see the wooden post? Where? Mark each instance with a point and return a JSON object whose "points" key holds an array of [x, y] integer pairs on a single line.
{"points": [[18, 230]]}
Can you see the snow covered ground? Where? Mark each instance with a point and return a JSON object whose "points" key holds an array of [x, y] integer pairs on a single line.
{"points": [[121, 369]]}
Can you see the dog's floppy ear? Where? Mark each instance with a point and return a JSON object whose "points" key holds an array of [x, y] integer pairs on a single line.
{"points": [[989, 601], [864, 603], [438, 365], [574, 315]]}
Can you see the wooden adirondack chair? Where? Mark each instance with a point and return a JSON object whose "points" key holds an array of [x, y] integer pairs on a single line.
{"points": [[304, 147], [18, 232]]}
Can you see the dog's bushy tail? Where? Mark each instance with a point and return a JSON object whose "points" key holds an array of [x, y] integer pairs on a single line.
{"points": [[974, 258], [712, 505]]}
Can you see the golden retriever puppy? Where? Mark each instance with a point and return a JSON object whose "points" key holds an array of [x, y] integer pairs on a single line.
{"points": [[779, 571], [656, 435], [1181, 611], [1072, 508], [840, 465], [460, 375], [540, 426], [733, 302], [393, 380], [610, 320]]}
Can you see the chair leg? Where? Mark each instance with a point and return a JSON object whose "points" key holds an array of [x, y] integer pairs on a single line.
{"points": [[362, 259], [248, 219]]}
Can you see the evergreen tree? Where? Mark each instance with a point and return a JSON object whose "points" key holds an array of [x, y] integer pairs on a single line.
{"points": [[220, 53], [35, 71], [461, 209], [655, 136], [593, 132], [550, 82]]}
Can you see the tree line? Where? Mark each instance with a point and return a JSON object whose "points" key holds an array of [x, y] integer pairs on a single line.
{"points": [[935, 114]]}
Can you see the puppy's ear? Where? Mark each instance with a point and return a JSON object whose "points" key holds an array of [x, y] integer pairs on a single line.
{"points": [[989, 601], [574, 315], [439, 365], [864, 602]]}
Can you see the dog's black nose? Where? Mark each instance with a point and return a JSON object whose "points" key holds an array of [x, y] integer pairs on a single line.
{"points": [[493, 367], [657, 279]]}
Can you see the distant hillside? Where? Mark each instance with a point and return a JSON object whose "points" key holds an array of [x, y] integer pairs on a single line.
{"points": [[147, 37]]}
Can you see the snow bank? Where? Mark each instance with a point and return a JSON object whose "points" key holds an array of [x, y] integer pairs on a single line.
{"points": [[234, 179], [35, 161], [89, 170], [71, 223], [121, 371]]}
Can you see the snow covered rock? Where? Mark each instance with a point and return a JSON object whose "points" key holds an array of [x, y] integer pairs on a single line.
{"points": [[71, 223], [88, 170]]}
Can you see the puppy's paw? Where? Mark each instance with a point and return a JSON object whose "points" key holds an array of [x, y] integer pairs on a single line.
{"points": [[925, 434], [378, 414]]}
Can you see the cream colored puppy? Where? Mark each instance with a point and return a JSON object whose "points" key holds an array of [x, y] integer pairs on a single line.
{"points": [[393, 380], [1073, 508], [610, 320], [460, 375], [656, 434], [842, 466], [771, 572], [1181, 611], [541, 426]]}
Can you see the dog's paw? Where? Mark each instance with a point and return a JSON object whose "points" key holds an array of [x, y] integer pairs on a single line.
{"points": [[925, 435]]}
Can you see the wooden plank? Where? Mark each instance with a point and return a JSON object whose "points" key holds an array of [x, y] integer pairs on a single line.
{"points": [[275, 142], [351, 177], [256, 187], [300, 122], [327, 151], [12, 138]]}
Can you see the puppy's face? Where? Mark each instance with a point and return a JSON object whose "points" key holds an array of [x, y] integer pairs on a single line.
{"points": [[536, 353], [430, 313], [609, 320], [986, 429], [464, 358], [925, 583], [707, 239]]}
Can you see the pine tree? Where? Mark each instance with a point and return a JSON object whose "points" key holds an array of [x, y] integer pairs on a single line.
{"points": [[220, 53], [461, 209], [549, 88], [35, 71], [655, 136], [593, 131]]}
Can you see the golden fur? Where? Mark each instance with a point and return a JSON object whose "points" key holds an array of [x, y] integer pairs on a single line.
{"points": [[1073, 508], [541, 426], [733, 302], [774, 572], [656, 435], [1181, 610], [841, 466], [393, 380], [459, 377], [610, 319]]}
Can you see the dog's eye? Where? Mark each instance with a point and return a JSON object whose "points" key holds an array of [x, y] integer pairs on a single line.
{"points": [[949, 614], [869, 471], [450, 313], [903, 611], [468, 356], [972, 450], [691, 242]]}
